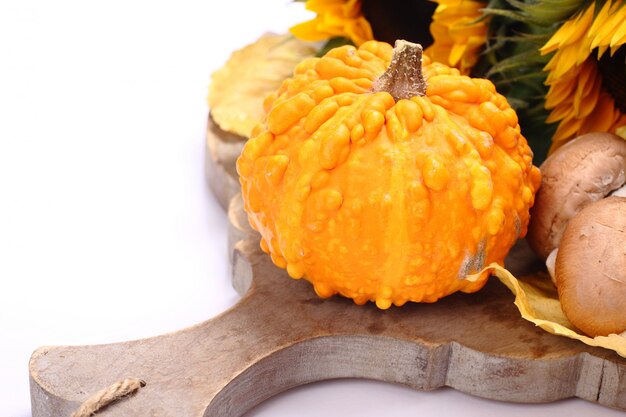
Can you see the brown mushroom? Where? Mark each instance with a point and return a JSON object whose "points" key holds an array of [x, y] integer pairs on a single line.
{"points": [[591, 268], [587, 169]]}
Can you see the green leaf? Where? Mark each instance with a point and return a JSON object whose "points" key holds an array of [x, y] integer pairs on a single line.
{"points": [[536, 75], [522, 60], [520, 5], [517, 16], [517, 103], [333, 43], [549, 12]]}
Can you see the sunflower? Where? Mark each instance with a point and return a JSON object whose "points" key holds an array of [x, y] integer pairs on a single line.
{"points": [[335, 19], [560, 65], [459, 33], [586, 72], [452, 30]]}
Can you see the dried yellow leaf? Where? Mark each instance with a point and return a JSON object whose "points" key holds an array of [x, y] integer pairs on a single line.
{"points": [[238, 89], [538, 302]]}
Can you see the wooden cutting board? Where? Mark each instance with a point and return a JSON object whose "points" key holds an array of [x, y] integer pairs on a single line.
{"points": [[281, 335]]}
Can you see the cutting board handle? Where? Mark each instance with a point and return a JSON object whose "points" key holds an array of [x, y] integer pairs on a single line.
{"points": [[281, 335]]}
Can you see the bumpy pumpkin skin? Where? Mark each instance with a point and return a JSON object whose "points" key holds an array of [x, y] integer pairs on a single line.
{"points": [[381, 200]]}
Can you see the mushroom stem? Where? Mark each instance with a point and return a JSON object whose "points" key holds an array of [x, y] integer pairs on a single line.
{"points": [[551, 265], [403, 79]]}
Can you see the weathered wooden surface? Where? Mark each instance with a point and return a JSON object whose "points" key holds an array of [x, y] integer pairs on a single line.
{"points": [[222, 150], [281, 335]]}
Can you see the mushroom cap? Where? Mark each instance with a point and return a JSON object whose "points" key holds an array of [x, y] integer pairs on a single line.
{"points": [[591, 268], [584, 170]]}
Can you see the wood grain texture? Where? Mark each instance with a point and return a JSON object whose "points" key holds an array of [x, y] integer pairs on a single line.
{"points": [[281, 335], [222, 150]]}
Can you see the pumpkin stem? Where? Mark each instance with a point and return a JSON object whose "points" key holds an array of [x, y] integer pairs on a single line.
{"points": [[403, 79]]}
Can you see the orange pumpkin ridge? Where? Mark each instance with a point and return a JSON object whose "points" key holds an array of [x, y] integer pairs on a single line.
{"points": [[387, 199]]}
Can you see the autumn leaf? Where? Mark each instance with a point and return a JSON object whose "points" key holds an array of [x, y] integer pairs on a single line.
{"points": [[238, 89], [537, 301]]}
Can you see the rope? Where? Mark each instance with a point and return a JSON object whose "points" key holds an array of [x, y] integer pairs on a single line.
{"points": [[103, 398]]}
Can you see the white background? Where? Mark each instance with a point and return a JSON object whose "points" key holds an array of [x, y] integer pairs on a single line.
{"points": [[107, 230]]}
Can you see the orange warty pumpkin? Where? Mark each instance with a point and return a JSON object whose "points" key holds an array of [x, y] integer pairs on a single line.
{"points": [[387, 180]]}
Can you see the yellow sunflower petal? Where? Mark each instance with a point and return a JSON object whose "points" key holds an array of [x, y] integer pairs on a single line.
{"points": [[570, 32], [559, 113], [457, 37], [559, 94], [352, 9], [585, 76], [334, 18], [440, 32], [588, 85], [457, 53], [567, 57], [320, 6], [617, 14], [619, 37], [605, 34], [566, 70], [558, 141], [584, 107], [602, 26], [461, 31], [614, 49], [619, 127], [584, 50], [553, 43], [308, 31], [567, 129], [603, 117], [359, 30], [601, 50], [459, 9]]}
